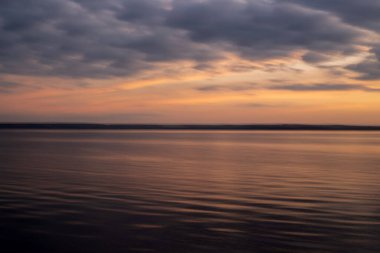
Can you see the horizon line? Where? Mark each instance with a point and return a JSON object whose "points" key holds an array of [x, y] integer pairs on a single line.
{"points": [[185, 126]]}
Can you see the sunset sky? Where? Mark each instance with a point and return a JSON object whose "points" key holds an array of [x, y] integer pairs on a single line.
{"points": [[190, 61]]}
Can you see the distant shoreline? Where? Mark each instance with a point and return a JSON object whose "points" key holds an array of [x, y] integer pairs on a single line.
{"points": [[274, 127]]}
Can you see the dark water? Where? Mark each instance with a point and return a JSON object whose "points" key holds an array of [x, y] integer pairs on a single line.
{"points": [[123, 191]]}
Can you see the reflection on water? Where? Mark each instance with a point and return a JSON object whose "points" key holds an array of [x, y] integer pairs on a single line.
{"points": [[184, 191]]}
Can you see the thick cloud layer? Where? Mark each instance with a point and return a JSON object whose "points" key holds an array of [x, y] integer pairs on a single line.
{"points": [[364, 14], [258, 29], [89, 38], [100, 39]]}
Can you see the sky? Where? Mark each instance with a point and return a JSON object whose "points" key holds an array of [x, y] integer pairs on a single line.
{"points": [[190, 61]]}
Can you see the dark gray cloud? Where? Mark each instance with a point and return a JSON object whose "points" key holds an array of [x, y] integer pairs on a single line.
{"points": [[369, 68], [100, 39], [314, 57], [234, 87], [288, 87], [89, 39], [7, 85], [262, 29], [143, 11], [364, 14], [12, 87], [324, 87]]}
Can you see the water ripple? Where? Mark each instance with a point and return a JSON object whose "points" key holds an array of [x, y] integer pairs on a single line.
{"points": [[125, 191]]}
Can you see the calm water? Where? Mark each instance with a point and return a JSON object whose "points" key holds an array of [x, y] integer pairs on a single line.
{"points": [[141, 191]]}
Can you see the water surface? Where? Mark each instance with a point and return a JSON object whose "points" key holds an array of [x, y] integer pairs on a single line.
{"points": [[189, 191]]}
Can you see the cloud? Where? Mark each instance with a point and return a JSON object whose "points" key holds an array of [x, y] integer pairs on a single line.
{"points": [[363, 13], [89, 39], [13, 87], [289, 87], [262, 29], [83, 118], [324, 87], [314, 57], [369, 68], [103, 39], [234, 87], [264, 105], [7, 85]]}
